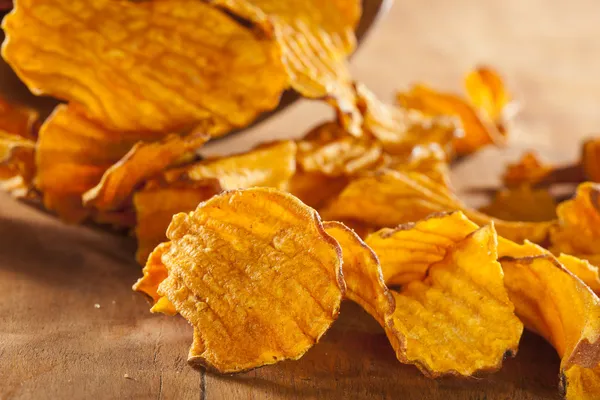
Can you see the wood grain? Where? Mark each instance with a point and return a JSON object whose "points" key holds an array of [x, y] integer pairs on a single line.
{"points": [[55, 343]]}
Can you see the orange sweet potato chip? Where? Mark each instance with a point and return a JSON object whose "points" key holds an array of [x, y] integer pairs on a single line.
{"points": [[256, 275], [16, 156], [529, 170], [143, 161], [157, 202], [554, 303], [486, 91], [145, 66], [522, 203], [590, 160], [452, 314], [316, 189]]}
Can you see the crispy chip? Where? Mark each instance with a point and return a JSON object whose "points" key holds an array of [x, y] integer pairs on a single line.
{"points": [[486, 91], [585, 271], [400, 131], [154, 273], [18, 120], [156, 204], [145, 66], [578, 230], [256, 275], [316, 189], [330, 150], [270, 165], [528, 170], [314, 38], [452, 315], [17, 157], [72, 155], [522, 203], [590, 160], [362, 273], [389, 198], [561, 308], [143, 161]]}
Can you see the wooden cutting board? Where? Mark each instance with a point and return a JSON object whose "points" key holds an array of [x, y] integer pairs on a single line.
{"points": [[71, 328]]}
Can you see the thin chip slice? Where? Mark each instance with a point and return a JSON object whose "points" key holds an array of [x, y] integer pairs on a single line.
{"points": [[157, 202], [478, 128], [18, 120], [590, 160], [453, 315], [316, 189], [143, 161], [154, 273], [578, 229], [270, 165], [17, 157], [155, 66], [314, 39], [72, 155], [522, 203], [529, 170], [486, 91], [554, 303], [362, 273], [389, 198], [330, 150], [256, 275]]}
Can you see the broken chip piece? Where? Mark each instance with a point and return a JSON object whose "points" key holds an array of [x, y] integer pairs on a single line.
{"points": [[257, 276]]}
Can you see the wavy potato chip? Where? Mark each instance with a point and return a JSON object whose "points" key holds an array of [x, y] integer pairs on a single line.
{"points": [[143, 161], [256, 275], [452, 314], [554, 303], [389, 198], [330, 150], [145, 66], [522, 203], [157, 202]]}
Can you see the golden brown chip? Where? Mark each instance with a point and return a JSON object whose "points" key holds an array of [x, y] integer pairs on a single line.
{"points": [[17, 157], [330, 150], [143, 161], [400, 131], [145, 66], [590, 160], [154, 273], [478, 129], [362, 273], [554, 303], [72, 155], [578, 229], [157, 202], [256, 275], [269, 165], [522, 203], [486, 91], [18, 120], [585, 271], [528, 170], [389, 198], [316, 189], [314, 39], [452, 314]]}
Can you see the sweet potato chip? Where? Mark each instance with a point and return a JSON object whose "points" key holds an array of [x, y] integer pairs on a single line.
{"points": [[578, 230], [143, 161], [316, 189], [452, 314], [314, 39], [522, 203], [72, 155], [362, 273], [389, 198], [154, 273], [486, 91], [158, 201], [145, 66], [18, 120], [17, 157], [554, 303], [330, 150], [270, 165], [256, 275], [590, 160], [529, 170]]}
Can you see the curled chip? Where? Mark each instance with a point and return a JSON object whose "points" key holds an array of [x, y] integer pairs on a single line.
{"points": [[157, 202], [452, 314], [578, 229], [270, 165], [590, 160], [73, 153], [314, 39], [388, 198], [554, 303], [143, 161], [256, 275], [145, 66], [330, 150], [400, 131], [529, 170], [362, 273], [154, 273], [522, 203]]}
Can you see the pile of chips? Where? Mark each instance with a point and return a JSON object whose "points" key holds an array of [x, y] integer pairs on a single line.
{"points": [[237, 244]]}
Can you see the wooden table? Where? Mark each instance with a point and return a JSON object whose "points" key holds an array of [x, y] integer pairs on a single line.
{"points": [[70, 326]]}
